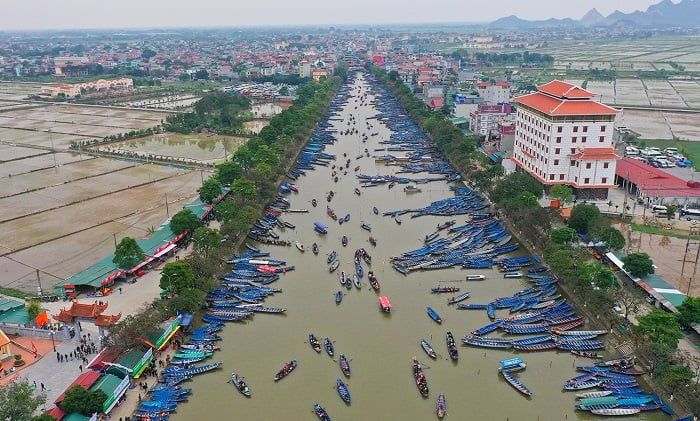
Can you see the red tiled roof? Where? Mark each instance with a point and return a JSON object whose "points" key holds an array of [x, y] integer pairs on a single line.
{"points": [[654, 181], [85, 311], [56, 413], [558, 107], [564, 90], [106, 321], [595, 153]]}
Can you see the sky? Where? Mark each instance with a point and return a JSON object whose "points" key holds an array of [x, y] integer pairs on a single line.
{"points": [[75, 14]]}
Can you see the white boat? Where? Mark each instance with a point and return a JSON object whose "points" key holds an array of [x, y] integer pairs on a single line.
{"points": [[411, 189], [475, 277], [513, 275], [616, 411], [299, 246]]}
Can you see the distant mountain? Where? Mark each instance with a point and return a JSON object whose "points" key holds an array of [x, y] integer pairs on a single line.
{"points": [[664, 13], [593, 17]]}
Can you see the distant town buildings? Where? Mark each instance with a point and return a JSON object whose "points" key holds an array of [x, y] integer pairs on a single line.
{"points": [[487, 118], [71, 90], [563, 136], [71, 66]]}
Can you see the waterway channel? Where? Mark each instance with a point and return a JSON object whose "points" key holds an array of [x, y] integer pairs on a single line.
{"points": [[380, 346]]}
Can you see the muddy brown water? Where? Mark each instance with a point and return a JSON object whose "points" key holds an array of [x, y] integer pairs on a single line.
{"points": [[380, 346]]}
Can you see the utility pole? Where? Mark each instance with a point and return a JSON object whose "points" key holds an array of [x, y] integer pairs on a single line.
{"points": [[167, 211], [38, 280], [694, 232], [201, 175], [115, 241]]}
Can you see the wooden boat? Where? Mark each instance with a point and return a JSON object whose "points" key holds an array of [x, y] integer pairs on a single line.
{"points": [[491, 311], [299, 246], [384, 303], [334, 265], [356, 281], [475, 277], [365, 226], [441, 406], [239, 382], [344, 365], [328, 345], [457, 298], [446, 225], [375, 210], [411, 189], [332, 257], [442, 290], [512, 364], [428, 348], [343, 278], [187, 361], [339, 297], [357, 191], [315, 344], [321, 413], [343, 391], [373, 281], [517, 384], [344, 241], [372, 241], [397, 220], [452, 346], [616, 411], [419, 376], [434, 315], [284, 372], [314, 249], [346, 218], [595, 394], [513, 275], [314, 202], [586, 354]]}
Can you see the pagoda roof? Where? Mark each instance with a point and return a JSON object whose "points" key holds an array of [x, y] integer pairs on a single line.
{"points": [[82, 311], [107, 320]]}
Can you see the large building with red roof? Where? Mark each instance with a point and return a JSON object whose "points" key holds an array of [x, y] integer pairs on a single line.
{"points": [[563, 136]]}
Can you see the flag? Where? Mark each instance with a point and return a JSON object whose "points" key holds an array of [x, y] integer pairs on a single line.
{"points": [[34, 351]]}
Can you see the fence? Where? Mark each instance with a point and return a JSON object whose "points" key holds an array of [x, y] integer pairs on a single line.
{"points": [[60, 335]]}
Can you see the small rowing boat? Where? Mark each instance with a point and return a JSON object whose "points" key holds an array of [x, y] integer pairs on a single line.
{"points": [[475, 277], [517, 384], [428, 348], [441, 406], [356, 281], [299, 246], [344, 365], [343, 391], [365, 226], [434, 315], [314, 249], [334, 265], [284, 372], [240, 384], [321, 413], [442, 290], [373, 281], [313, 341], [344, 241], [452, 346], [328, 345], [375, 210], [457, 298], [372, 241], [332, 257], [419, 376], [339, 297]]}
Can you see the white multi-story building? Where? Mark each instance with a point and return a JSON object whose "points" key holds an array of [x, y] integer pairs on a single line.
{"points": [[563, 136], [494, 93]]}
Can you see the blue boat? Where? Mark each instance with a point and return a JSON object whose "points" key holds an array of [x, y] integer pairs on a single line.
{"points": [[517, 384], [434, 315], [328, 345], [343, 391], [338, 297], [332, 257]]}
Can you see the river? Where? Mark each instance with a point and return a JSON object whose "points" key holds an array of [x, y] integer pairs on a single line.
{"points": [[380, 346]]}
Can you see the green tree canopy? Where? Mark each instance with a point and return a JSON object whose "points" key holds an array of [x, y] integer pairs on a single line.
{"points": [[596, 274], [660, 327], [284, 91], [674, 375], [82, 401], [612, 237], [689, 311], [176, 277], [638, 264], [128, 253], [244, 189], [185, 220], [583, 217], [527, 200], [226, 210], [206, 239], [228, 171], [563, 235], [210, 190], [189, 301], [514, 184], [562, 192], [18, 402], [33, 308]]}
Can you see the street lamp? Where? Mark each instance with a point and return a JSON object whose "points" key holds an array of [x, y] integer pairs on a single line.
{"points": [[51, 333]]}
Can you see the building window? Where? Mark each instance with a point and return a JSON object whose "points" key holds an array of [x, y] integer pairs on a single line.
{"points": [[601, 139], [588, 166], [558, 139], [556, 162], [585, 180], [573, 163], [561, 176], [551, 176], [605, 165], [602, 129], [557, 151], [573, 151], [573, 139], [559, 129], [583, 139], [585, 129], [575, 129], [604, 180], [576, 179]]}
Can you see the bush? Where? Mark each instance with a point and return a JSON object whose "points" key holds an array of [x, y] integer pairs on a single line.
{"points": [[83, 401], [638, 264], [583, 217]]}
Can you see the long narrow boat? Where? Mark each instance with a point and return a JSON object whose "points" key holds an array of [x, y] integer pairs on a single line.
{"points": [[441, 406], [284, 372], [419, 376], [339, 297], [434, 315], [475, 277], [616, 411], [517, 384], [321, 413], [344, 365], [373, 281], [343, 391], [441, 290], [356, 281], [451, 346], [428, 348], [313, 341], [457, 298], [334, 265], [328, 345], [332, 257], [240, 384]]}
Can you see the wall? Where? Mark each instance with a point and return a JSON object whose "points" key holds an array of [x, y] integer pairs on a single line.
{"points": [[60, 335]]}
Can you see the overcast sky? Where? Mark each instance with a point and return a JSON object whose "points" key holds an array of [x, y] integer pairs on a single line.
{"points": [[51, 14]]}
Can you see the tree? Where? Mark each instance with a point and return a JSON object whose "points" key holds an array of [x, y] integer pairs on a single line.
{"points": [[206, 239], [130, 329], [225, 210], [185, 77], [612, 237], [562, 192], [83, 401], [185, 220], [147, 53], [527, 200], [33, 308], [563, 235], [674, 375], [176, 277], [596, 274], [513, 184], [128, 253], [210, 190], [244, 188], [583, 217], [629, 299], [201, 74], [638, 264], [188, 301], [660, 327], [689, 311], [18, 402], [227, 171]]}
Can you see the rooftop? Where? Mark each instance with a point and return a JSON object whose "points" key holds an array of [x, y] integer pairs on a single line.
{"points": [[564, 90], [654, 181], [595, 154], [554, 106]]}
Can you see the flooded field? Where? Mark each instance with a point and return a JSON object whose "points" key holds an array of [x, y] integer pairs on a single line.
{"points": [[199, 147], [379, 346]]}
